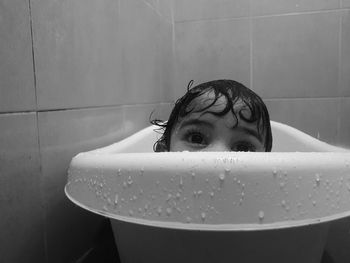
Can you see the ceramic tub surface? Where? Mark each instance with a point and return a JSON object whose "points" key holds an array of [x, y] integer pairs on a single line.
{"points": [[304, 181]]}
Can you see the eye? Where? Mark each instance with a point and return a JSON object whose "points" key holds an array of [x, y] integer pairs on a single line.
{"points": [[195, 138], [244, 147]]}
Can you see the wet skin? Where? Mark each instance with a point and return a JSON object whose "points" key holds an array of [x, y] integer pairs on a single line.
{"points": [[200, 131]]}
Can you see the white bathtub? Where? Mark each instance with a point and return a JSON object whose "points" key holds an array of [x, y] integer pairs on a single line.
{"points": [[216, 206]]}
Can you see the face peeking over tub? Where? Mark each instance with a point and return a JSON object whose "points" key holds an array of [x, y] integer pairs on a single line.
{"points": [[219, 115]]}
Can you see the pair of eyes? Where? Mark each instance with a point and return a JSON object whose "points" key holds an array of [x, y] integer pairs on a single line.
{"points": [[198, 139]]}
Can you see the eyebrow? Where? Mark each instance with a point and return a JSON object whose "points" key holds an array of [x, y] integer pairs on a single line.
{"points": [[196, 122]]}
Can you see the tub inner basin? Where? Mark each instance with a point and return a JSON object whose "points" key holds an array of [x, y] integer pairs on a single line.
{"points": [[227, 204]]}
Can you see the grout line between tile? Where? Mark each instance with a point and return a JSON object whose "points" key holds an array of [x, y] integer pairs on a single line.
{"points": [[42, 189], [261, 16], [251, 61], [33, 53], [151, 103], [340, 55], [41, 176]]}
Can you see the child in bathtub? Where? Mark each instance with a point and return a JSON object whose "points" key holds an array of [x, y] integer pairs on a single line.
{"points": [[219, 115]]}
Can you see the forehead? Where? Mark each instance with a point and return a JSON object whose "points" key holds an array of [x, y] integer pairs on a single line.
{"points": [[205, 103]]}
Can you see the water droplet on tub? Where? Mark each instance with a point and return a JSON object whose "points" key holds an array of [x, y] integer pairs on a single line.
{"points": [[181, 182], [222, 177], [159, 210], [283, 203], [203, 216], [211, 194], [282, 184], [193, 174], [314, 203], [261, 215], [169, 211], [188, 219], [274, 172], [116, 199], [318, 179], [131, 213], [119, 172], [130, 181], [142, 171]]}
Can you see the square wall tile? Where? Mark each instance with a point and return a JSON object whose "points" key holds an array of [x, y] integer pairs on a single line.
{"points": [[316, 117], [163, 111], [17, 92], [77, 52], [263, 7], [63, 134], [209, 9], [208, 50], [296, 55], [344, 122], [345, 3], [22, 214], [166, 62], [137, 117], [142, 44], [345, 55]]}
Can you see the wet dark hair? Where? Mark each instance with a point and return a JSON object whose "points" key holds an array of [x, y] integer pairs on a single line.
{"points": [[233, 91]]}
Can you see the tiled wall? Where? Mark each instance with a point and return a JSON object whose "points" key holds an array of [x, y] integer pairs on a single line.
{"points": [[295, 54], [74, 76]]}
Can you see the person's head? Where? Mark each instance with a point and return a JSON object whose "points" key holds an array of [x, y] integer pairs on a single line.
{"points": [[219, 115]]}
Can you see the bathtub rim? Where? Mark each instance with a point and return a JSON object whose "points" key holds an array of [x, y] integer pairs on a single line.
{"points": [[117, 149]]}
